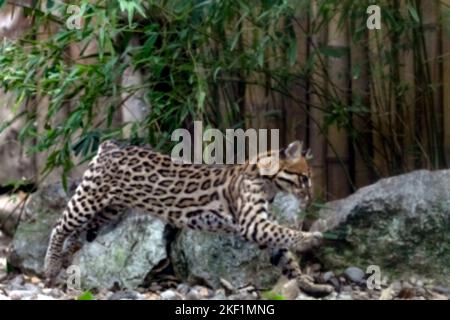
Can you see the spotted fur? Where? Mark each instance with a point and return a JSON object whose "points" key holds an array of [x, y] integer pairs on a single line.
{"points": [[230, 199]]}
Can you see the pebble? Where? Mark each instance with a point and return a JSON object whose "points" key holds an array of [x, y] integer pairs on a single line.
{"points": [[290, 290], [151, 296], [354, 274], [170, 295], [441, 289], [327, 276], [20, 294], [219, 295], [16, 283], [35, 280], [345, 296], [193, 294], [183, 288], [121, 295]]}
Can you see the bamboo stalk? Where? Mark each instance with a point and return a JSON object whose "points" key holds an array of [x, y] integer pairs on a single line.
{"points": [[378, 102], [429, 10], [296, 113], [316, 137], [255, 91], [407, 77], [337, 155], [362, 145], [445, 11]]}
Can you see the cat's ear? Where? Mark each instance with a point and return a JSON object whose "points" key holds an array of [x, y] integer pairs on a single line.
{"points": [[307, 154], [294, 150]]}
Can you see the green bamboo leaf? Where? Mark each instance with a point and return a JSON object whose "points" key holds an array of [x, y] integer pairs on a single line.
{"points": [[414, 14]]}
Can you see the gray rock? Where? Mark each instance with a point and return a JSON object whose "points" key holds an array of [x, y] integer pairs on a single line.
{"points": [[354, 274], [124, 254], [400, 224], [30, 240], [327, 276], [209, 257]]}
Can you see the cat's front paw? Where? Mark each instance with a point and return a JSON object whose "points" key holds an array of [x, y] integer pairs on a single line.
{"points": [[307, 285], [309, 241]]}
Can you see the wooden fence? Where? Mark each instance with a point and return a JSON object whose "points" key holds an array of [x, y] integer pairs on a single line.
{"points": [[405, 121]]}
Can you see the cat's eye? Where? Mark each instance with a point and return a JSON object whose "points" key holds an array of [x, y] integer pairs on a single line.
{"points": [[304, 179]]}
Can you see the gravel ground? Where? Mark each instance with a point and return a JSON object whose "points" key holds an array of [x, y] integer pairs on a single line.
{"points": [[349, 285]]}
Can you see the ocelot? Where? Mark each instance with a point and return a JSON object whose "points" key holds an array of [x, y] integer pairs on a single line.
{"points": [[227, 198]]}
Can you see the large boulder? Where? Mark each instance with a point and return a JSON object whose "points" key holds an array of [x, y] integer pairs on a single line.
{"points": [[400, 224], [30, 240], [206, 258], [122, 254]]}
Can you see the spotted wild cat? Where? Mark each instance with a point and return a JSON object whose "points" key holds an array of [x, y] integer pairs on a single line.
{"points": [[228, 198]]}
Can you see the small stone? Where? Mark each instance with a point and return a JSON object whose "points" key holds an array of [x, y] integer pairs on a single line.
{"points": [[354, 274], [183, 288], [31, 287], [406, 285], [387, 294], [171, 295], [346, 289], [219, 295], [193, 295], [345, 296], [152, 296], [155, 287], [205, 292], [441, 289], [120, 295], [47, 290], [327, 276], [419, 283], [421, 291], [20, 294], [35, 280], [396, 286], [290, 290], [16, 283]]}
